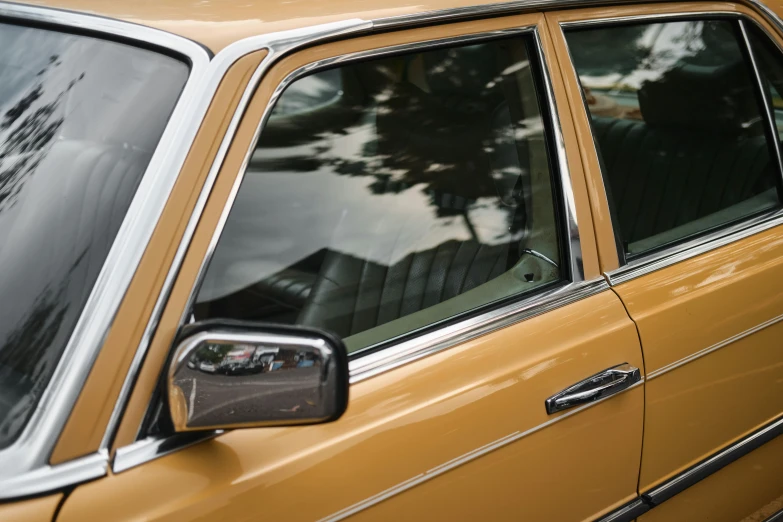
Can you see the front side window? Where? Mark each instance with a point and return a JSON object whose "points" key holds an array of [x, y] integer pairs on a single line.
{"points": [[389, 195], [79, 120], [680, 128]]}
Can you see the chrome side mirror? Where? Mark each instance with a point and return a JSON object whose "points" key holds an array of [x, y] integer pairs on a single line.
{"points": [[240, 375]]}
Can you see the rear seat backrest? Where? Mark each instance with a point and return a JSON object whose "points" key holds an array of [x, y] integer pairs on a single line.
{"points": [[698, 150]]}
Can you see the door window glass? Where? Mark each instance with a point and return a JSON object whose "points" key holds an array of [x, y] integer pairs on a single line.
{"points": [[678, 121], [414, 189]]}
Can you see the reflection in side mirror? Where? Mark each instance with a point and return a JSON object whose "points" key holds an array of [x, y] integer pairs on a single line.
{"points": [[240, 375]]}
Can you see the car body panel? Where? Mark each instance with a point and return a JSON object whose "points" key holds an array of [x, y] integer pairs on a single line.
{"points": [[712, 378], [41, 509], [407, 423], [86, 426], [697, 408]]}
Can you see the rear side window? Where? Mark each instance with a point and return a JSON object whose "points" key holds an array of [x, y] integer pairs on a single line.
{"points": [[680, 126], [389, 195], [79, 120]]}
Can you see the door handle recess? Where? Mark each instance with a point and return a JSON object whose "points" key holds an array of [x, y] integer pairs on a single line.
{"points": [[597, 387]]}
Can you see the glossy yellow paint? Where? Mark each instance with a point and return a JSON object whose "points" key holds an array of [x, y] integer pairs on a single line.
{"points": [[40, 509], [86, 425], [699, 407], [409, 421], [725, 496]]}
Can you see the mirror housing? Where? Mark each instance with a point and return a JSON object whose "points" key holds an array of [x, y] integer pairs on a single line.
{"points": [[227, 374]]}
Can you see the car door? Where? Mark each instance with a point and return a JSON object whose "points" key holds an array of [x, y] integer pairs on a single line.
{"points": [[420, 193], [683, 160]]}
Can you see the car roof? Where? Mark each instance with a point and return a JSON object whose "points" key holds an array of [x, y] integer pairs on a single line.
{"points": [[216, 24]]}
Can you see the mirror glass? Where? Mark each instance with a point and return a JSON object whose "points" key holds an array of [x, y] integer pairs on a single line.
{"points": [[247, 376]]}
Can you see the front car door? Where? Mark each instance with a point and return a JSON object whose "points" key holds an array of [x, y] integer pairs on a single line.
{"points": [[681, 110], [411, 192]]}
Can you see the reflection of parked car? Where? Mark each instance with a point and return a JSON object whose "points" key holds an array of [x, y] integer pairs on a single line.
{"points": [[206, 366]]}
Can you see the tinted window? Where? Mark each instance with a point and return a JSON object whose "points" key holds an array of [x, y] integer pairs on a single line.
{"points": [[770, 63], [679, 124], [79, 120], [420, 190]]}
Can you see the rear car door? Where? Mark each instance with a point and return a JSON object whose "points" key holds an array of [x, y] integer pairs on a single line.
{"points": [[420, 194], [686, 186]]}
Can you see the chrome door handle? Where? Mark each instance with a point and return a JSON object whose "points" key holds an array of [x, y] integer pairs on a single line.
{"points": [[600, 385]]}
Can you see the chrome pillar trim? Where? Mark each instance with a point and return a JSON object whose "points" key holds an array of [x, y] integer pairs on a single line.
{"points": [[381, 361], [627, 512], [450, 465], [717, 346], [714, 463], [52, 478], [573, 245], [766, 102], [777, 517], [32, 449], [150, 448], [276, 44]]}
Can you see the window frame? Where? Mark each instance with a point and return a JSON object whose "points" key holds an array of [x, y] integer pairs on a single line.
{"points": [[393, 353], [570, 250], [699, 243]]}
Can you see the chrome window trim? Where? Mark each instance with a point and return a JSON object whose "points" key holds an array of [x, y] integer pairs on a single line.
{"points": [[572, 242], [423, 345], [726, 234], [373, 364], [24, 464]]}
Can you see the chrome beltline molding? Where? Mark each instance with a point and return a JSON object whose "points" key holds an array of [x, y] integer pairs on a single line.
{"points": [[717, 346], [25, 462], [393, 357], [458, 461]]}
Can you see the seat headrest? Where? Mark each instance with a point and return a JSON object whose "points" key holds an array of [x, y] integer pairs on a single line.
{"points": [[693, 97]]}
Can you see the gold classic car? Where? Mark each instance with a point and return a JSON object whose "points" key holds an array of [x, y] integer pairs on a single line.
{"points": [[391, 260]]}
